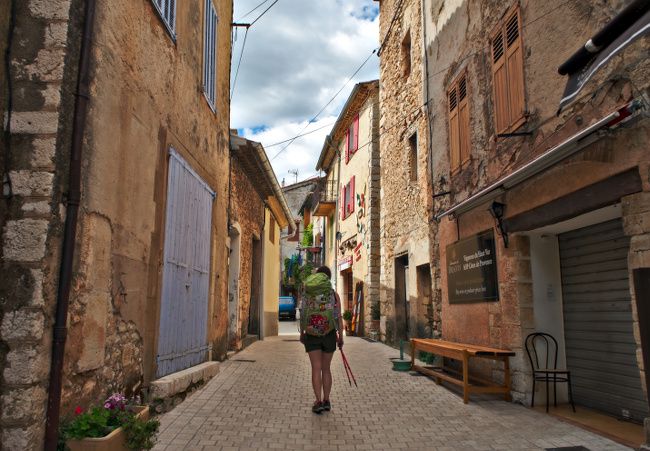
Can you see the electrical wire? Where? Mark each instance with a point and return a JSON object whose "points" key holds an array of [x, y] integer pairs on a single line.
{"points": [[264, 12], [252, 10], [326, 105], [300, 136], [241, 56]]}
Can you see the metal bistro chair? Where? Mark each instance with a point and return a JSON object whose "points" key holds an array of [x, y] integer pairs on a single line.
{"points": [[544, 365]]}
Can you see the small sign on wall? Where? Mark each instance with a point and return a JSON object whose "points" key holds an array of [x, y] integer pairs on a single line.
{"points": [[472, 269]]}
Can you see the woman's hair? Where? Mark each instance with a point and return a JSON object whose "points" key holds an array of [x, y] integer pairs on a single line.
{"points": [[325, 270]]}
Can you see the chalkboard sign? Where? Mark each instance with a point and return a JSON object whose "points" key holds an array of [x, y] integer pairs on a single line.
{"points": [[472, 269]]}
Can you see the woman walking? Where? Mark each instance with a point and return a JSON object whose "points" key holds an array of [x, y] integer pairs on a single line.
{"points": [[321, 329]]}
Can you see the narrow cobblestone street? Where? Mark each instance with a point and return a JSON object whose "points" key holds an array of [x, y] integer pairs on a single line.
{"points": [[261, 399]]}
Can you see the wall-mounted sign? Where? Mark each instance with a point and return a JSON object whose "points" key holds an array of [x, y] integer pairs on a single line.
{"points": [[472, 269], [345, 263]]}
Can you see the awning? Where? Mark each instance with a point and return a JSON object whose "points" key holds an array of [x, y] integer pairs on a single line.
{"points": [[629, 25], [549, 158]]}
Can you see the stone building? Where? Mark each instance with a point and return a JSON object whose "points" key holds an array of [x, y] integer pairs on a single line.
{"points": [[257, 213], [350, 160], [409, 307], [118, 115], [542, 218]]}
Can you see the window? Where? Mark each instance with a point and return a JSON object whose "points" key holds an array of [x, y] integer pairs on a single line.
{"points": [[508, 74], [352, 139], [406, 55], [167, 11], [272, 229], [413, 157], [458, 122], [347, 199], [210, 53]]}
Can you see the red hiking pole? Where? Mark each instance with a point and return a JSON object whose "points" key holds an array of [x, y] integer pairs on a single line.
{"points": [[347, 368]]}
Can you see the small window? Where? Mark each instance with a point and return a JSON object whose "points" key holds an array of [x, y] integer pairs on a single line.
{"points": [[413, 157], [210, 53], [459, 145], [167, 11], [406, 55], [272, 229], [508, 73], [352, 139]]}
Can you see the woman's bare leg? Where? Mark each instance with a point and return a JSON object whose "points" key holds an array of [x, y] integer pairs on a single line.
{"points": [[326, 360], [315, 358]]}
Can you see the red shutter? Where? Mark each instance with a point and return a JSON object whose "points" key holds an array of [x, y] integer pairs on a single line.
{"points": [[352, 195], [355, 141], [347, 147], [342, 201]]}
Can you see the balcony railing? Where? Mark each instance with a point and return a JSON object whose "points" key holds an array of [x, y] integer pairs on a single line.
{"points": [[325, 198]]}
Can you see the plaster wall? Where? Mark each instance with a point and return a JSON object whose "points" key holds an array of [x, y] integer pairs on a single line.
{"points": [[356, 229], [271, 276], [146, 96]]}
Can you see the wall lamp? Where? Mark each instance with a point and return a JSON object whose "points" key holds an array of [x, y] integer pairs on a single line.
{"points": [[497, 210]]}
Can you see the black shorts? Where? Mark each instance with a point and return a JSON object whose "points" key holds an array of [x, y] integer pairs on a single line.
{"points": [[326, 343]]}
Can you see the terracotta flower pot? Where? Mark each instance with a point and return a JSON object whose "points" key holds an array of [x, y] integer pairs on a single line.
{"points": [[115, 441]]}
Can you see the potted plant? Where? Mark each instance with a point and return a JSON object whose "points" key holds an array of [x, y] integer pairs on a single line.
{"points": [[347, 317], [119, 425]]}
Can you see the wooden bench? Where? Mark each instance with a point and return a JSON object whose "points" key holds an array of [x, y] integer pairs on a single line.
{"points": [[462, 352]]}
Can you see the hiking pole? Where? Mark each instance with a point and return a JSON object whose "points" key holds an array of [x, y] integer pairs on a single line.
{"points": [[347, 365]]}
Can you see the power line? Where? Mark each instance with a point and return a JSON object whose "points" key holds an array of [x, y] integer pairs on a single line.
{"points": [[241, 55], [264, 12], [326, 105], [300, 136], [252, 10]]}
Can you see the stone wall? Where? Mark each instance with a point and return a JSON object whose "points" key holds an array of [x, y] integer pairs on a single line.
{"points": [[43, 70], [404, 202], [248, 212]]}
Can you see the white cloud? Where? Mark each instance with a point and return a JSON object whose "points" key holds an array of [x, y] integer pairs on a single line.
{"points": [[297, 57]]}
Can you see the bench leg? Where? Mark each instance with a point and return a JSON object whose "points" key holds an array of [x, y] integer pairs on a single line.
{"points": [[506, 378], [465, 377], [412, 354]]}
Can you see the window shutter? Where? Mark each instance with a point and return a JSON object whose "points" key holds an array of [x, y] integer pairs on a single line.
{"points": [[343, 202], [463, 120], [515, 69], [500, 82], [356, 133], [352, 195], [453, 129], [347, 147]]}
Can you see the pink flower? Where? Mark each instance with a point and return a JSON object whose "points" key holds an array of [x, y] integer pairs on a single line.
{"points": [[78, 410]]}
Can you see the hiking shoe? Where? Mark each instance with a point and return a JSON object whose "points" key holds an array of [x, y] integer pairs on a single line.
{"points": [[326, 405], [317, 407]]}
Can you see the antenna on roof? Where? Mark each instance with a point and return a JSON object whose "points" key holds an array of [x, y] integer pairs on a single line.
{"points": [[294, 172]]}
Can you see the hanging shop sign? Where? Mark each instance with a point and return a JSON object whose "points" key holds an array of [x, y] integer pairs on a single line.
{"points": [[472, 269], [345, 263]]}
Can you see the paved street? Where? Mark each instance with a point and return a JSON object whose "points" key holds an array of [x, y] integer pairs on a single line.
{"points": [[261, 399]]}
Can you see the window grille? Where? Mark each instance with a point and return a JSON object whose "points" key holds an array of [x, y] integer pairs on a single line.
{"points": [[210, 53], [167, 11]]}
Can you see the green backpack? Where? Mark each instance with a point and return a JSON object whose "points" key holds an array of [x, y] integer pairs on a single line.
{"points": [[318, 303]]}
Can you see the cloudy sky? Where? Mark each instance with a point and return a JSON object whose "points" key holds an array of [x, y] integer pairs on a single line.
{"points": [[297, 56]]}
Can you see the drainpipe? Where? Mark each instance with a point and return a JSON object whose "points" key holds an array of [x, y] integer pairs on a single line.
{"points": [[69, 238]]}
